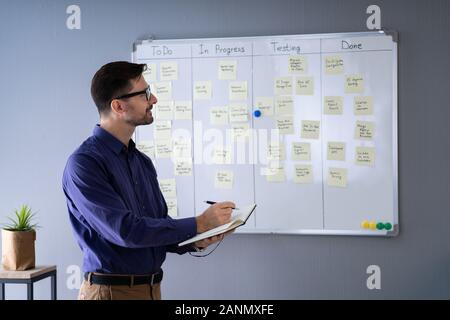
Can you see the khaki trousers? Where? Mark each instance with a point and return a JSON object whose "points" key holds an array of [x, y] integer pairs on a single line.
{"points": [[106, 292]]}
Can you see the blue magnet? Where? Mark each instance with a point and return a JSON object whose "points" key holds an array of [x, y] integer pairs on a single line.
{"points": [[257, 113]]}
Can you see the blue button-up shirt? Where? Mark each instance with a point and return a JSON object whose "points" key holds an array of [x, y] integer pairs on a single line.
{"points": [[117, 211]]}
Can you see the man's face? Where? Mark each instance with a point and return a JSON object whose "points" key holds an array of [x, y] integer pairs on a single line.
{"points": [[137, 110]]}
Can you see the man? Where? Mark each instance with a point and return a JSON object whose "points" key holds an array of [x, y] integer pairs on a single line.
{"points": [[117, 211]]}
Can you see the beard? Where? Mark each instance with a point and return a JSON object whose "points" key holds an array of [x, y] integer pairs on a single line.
{"points": [[146, 120]]}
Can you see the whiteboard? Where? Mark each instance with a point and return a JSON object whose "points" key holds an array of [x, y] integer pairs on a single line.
{"points": [[335, 95]]}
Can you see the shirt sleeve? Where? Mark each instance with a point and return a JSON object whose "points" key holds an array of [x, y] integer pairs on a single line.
{"points": [[86, 185]]}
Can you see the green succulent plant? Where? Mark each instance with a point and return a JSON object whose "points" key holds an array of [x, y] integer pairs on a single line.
{"points": [[22, 220]]}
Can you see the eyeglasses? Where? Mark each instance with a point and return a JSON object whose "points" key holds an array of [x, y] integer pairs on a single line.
{"points": [[147, 93]]}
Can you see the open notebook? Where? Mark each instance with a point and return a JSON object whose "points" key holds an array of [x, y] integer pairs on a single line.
{"points": [[240, 218]]}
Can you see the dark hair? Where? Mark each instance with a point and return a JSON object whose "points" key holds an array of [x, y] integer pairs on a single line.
{"points": [[112, 80]]}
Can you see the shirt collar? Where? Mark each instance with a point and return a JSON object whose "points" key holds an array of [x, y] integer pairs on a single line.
{"points": [[112, 142]]}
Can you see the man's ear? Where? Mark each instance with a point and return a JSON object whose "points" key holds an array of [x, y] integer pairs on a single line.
{"points": [[116, 106]]}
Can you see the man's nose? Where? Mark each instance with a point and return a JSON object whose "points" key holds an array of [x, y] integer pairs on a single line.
{"points": [[153, 99]]}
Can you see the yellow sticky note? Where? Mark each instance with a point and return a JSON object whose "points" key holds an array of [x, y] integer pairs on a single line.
{"points": [[163, 110], [147, 148], [297, 64], [304, 86], [168, 71], [150, 73], [218, 115], [303, 174], [301, 151], [283, 86], [221, 155], [162, 90], [162, 130], [238, 112], [239, 130], [168, 187], [284, 105], [181, 148], [334, 65], [365, 156], [223, 180], [237, 90], [275, 173], [337, 177], [364, 130], [265, 105], [163, 148], [354, 83], [182, 168], [310, 129], [333, 105], [202, 90], [183, 110], [227, 70], [285, 124], [172, 207], [276, 151], [362, 105], [336, 151]]}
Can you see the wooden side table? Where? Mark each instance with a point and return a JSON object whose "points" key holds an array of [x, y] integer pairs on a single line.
{"points": [[29, 277]]}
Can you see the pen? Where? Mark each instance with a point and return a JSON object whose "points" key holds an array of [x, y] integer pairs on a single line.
{"points": [[213, 202]]}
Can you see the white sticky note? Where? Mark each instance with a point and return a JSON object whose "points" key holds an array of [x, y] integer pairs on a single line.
{"points": [[336, 151], [218, 115], [276, 151], [223, 180], [150, 73], [283, 86], [237, 90], [168, 187], [284, 105], [365, 156], [182, 148], [168, 71], [275, 173], [310, 129], [146, 147], [334, 65], [238, 112], [301, 151], [362, 105], [221, 155], [304, 86], [163, 148], [162, 130], [239, 130], [297, 64], [162, 90], [265, 105], [337, 177], [163, 110], [333, 105], [354, 83], [227, 69], [202, 90], [364, 130], [182, 168], [303, 174], [172, 207], [285, 124], [183, 110]]}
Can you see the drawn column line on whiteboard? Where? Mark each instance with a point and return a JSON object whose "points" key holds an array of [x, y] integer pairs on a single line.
{"points": [[192, 122], [255, 216], [322, 133]]}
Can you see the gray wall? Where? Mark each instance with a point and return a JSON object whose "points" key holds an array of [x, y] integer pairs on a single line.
{"points": [[46, 112]]}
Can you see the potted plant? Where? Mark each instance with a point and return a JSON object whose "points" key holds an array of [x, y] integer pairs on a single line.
{"points": [[18, 252]]}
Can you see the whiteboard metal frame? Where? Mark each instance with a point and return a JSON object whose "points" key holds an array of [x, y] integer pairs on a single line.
{"points": [[394, 35]]}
